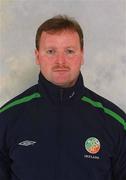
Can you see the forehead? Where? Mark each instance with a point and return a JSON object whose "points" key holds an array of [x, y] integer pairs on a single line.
{"points": [[60, 37]]}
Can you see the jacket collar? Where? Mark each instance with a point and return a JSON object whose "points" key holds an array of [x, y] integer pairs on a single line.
{"points": [[58, 95]]}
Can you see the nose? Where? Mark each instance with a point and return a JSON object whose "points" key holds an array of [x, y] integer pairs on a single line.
{"points": [[61, 59]]}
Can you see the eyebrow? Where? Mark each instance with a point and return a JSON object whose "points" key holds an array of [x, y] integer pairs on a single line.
{"points": [[53, 47]]}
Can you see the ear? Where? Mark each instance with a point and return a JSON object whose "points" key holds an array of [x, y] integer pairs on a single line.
{"points": [[37, 56], [82, 58]]}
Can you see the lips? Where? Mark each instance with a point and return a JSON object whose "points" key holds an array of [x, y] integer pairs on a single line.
{"points": [[58, 70]]}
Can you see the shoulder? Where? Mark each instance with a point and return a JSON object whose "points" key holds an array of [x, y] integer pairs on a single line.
{"points": [[27, 96], [108, 108]]}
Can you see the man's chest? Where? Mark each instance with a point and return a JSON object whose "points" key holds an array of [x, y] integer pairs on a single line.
{"points": [[62, 143]]}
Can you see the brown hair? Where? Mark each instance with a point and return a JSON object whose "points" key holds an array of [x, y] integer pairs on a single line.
{"points": [[59, 23]]}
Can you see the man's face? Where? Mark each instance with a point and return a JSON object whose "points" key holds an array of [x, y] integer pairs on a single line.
{"points": [[60, 57]]}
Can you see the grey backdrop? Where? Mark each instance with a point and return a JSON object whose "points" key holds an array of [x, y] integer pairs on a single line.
{"points": [[104, 26]]}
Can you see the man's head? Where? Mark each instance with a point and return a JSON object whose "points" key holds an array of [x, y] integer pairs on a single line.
{"points": [[57, 24], [59, 50]]}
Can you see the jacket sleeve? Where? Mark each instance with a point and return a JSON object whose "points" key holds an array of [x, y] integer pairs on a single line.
{"points": [[4, 157], [119, 162]]}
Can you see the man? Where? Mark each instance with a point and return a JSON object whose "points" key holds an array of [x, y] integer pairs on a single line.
{"points": [[59, 129]]}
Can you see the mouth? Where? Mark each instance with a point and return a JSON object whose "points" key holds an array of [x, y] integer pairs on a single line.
{"points": [[61, 70]]}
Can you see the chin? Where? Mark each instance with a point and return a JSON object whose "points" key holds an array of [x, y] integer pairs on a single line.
{"points": [[61, 84], [64, 84]]}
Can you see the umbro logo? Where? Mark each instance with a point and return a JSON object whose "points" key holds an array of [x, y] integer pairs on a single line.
{"points": [[26, 143]]}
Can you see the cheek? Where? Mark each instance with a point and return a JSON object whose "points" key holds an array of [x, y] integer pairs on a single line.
{"points": [[76, 64], [43, 60], [46, 64]]}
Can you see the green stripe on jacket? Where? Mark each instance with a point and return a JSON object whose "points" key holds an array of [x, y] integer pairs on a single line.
{"points": [[20, 101], [106, 110]]}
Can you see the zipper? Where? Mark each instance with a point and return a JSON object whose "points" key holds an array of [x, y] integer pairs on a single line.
{"points": [[61, 95]]}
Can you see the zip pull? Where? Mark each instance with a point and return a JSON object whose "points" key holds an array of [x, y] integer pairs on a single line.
{"points": [[73, 93]]}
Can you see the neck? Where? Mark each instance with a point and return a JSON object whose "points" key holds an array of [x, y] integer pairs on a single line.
{"points": [[58, 94], [66, 85]]}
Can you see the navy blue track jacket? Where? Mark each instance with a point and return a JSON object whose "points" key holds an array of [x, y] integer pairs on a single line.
{"points": [[54, 133]]}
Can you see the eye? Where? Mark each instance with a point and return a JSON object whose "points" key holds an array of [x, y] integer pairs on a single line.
{"points": [[50, 51], [70, 51]]}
